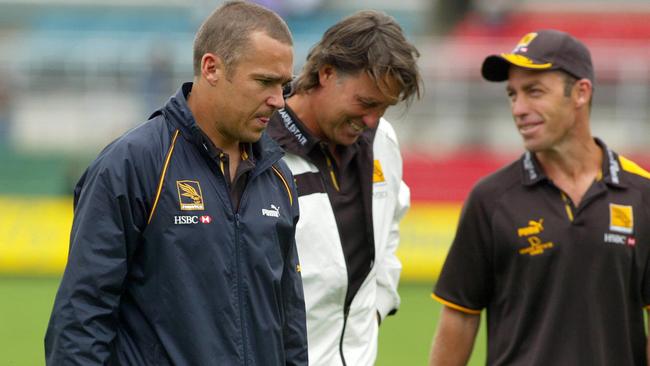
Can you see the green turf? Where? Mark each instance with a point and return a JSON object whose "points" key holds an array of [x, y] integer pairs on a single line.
{"points": [[25, 305], [405, 338]]}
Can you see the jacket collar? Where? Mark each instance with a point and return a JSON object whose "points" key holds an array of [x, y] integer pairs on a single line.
{"points": [[291, 133], [532, 172]]}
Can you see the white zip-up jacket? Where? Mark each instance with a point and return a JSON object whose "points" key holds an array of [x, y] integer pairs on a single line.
{"points": [[334, 336]]}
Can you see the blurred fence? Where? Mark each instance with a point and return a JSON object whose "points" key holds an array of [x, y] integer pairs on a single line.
{"points": [[72, 78]]}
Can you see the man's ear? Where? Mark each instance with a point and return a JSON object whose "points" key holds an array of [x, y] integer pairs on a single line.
{"points": [[212, 68], [326, 75], [583, 92]]}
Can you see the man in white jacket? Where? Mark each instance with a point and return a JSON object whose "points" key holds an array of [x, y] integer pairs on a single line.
{"points": [[348, 169]]}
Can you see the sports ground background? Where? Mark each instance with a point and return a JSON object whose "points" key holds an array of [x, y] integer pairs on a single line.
{"points": [[34, 232], [75, 74]]}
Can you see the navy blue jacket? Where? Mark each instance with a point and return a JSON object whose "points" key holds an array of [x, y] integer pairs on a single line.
{"points": [[163, 271]]}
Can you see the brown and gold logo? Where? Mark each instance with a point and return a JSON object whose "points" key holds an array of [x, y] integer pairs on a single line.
{"points": [[621, 218], [531, 233], [189, 195], [378, 173]]}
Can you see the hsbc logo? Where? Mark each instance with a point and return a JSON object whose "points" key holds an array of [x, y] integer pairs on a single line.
{"points": [[191, 220], [619, 239], [615, 239]]}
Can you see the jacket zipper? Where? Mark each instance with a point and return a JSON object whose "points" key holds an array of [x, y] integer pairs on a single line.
{"points": [[346, 312], [239, 289]]}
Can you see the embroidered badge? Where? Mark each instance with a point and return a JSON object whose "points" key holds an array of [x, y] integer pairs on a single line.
{"points": [[621, 218], [189, 195], [377, 173]]}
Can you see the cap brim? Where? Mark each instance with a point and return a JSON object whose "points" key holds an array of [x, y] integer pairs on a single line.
{"points": [[495, 67]]}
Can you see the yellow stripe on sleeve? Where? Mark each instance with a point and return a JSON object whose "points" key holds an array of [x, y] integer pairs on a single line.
{"points": [[277, 172], [454, 306], [162, 176]]}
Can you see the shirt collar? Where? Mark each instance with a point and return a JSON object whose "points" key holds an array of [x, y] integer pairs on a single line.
{"points": [[245, 149], [611, 165], [532, 172]]}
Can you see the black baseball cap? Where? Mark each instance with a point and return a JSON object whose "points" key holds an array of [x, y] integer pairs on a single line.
{"points": [[542, 50]]}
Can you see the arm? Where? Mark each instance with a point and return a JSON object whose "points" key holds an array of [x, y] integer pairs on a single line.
{"points": [[83, 321], [388, 266], [295, 326], [454, 339]]}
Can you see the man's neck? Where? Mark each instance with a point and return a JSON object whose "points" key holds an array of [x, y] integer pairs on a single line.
{"points": [[209, 125], [301, 105], [574, 168]]}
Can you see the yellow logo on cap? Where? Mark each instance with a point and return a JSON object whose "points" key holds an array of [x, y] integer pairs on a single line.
{"points": [[516, 57], [378, 173], [525, 41], [621, 218]]}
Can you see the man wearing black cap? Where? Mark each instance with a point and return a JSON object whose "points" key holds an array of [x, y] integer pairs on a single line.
{"points": [[555, 246]]}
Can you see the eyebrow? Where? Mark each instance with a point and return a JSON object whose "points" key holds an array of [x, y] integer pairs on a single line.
{"points": [[274, 77], [373, 101], [526, 86], [366, 100]]}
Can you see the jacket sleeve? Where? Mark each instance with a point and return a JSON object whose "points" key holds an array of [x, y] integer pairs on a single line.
{"points": [[295, 324], [390, 267], [83, 321]]}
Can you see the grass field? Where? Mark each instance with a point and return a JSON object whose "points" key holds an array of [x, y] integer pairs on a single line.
{"points": [[405, 339], [25, 305]]}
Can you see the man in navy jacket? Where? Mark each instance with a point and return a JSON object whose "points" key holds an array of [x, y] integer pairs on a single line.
{"points": [[182, 249]]}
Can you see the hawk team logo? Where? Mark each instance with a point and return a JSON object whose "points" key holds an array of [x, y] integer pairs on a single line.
{"points": [[536, 246], [621, 218], [378, 173], [517, 55], [522, 46], [189, 195]]}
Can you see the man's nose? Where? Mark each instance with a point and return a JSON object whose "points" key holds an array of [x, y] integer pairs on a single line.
{"points": [[276, 100], [371, 120], [519, 107]]}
